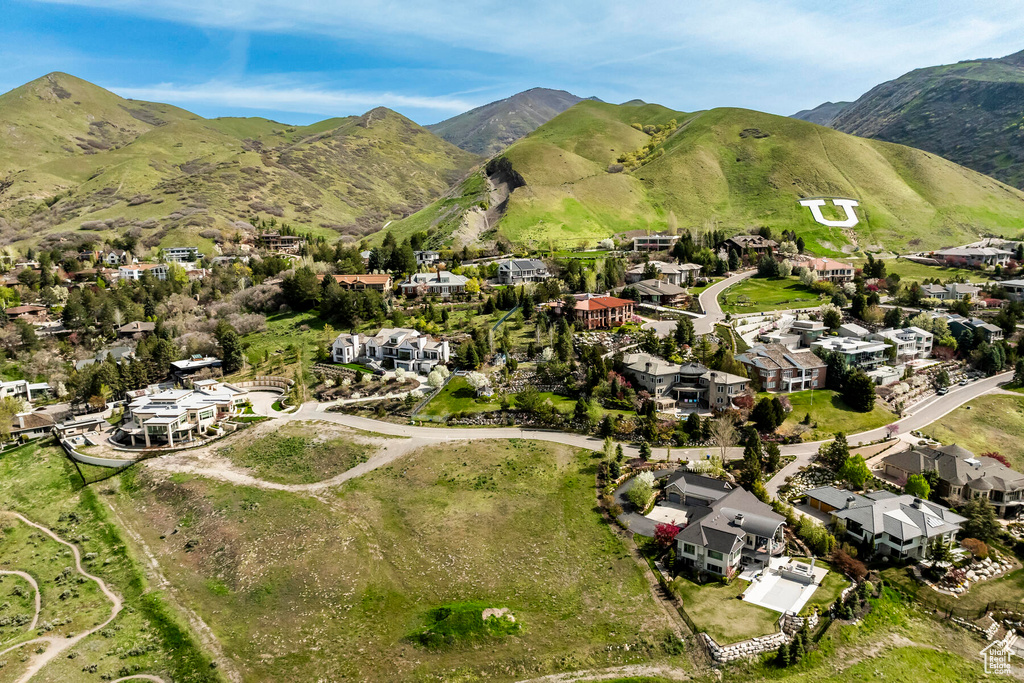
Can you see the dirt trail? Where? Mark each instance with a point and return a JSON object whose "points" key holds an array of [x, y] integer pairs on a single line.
{"points": [[35, 587], [57, 645], [477, 221], [631, 671]]}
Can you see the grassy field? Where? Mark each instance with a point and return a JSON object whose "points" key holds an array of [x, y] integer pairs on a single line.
{"points": [[909, 271], [988, 423], [1008, 588], [299, 453], [827, 592], [289, 583], [755, 294], [831, 415], [286, 335], [718, 610], [147, 636]]}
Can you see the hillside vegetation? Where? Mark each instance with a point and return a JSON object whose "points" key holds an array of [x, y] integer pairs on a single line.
{"points": [[971, 113], [75, 157], [738, 169]]}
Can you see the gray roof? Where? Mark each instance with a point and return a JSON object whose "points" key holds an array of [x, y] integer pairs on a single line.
{"points": [[655, 288], [729, 519], [522, 264], [778, 357], [699, 485], [837, 498], [903, 517]]}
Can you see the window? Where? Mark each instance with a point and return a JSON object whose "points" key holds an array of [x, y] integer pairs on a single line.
{"points": [[715, 555], [771, 385], [689, 549]]}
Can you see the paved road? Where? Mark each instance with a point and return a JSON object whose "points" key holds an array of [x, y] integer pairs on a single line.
{"points": [[708, 299]]}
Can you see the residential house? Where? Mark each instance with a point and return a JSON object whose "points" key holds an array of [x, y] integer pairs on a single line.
{"points": [[25, 426], [974, 256], [690, 386], [593, 311], [801, 333], [289, 244], [780, 369], [424, 257], [732, 530], [960, 325], [81, 426], [136, 327], [884, 375], [195, 363], [181, 254], [830, 270], [1014, 289], [25, 390], [519, 271], [678, 274], [952, 291], [741, 244], [194, 274], [853, 331], [654, 242], [910, 342], [381, 282], [858, 353], [901, 527], [442, 283], [694, 490], [117, 257], [962, 476], [178, 415], [34, 315], [118, 353], [657, 292], [404, 348], [135, 271]]}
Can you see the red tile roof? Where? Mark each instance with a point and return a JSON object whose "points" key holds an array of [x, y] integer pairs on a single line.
{"points": [[598, 302]]}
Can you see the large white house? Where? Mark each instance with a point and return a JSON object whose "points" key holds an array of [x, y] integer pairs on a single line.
{"points": [[517, 271], [177, 415], [679, 274], [910, 342], [441, 283], [404, 348], [135, 271], [857, 352]]}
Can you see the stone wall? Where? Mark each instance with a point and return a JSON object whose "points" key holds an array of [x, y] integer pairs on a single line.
{"points": [[988, 632], [747, 648], [791, 623]]}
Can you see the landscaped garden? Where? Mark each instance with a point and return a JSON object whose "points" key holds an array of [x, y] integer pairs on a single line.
{"points": [[754, 295]]}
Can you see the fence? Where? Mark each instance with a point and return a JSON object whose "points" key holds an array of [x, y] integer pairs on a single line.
{"points": [[426, 399], [503, 319]]}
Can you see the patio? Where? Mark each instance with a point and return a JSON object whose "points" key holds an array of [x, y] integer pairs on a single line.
{"points": [[782, 590]]}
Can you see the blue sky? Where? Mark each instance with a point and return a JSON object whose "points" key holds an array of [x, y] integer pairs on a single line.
{"points": [[304, 60]]}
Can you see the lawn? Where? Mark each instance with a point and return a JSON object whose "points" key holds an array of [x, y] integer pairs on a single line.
{"points": [[717, 609], [148, 636], [988, 423], [300, 588], [827, 592], [910, 271], [830, 415], [755, 294], [287, 335], [299, 453], [1008, 588]]}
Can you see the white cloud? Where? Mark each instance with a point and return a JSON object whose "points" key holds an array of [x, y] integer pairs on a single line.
{"points": [[273, 97]]}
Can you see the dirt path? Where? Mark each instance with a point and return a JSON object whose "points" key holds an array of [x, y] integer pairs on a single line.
{"points": [[140, 677], [631, 671], [35, 587], [55, 644]]}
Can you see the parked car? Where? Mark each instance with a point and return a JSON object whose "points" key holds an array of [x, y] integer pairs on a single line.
{"points": [[943, 390], [963, 382]]}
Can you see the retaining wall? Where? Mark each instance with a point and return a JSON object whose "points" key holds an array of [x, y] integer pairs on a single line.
{"points": [[93, 460]]}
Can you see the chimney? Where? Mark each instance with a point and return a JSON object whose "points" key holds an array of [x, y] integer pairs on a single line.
{"points": [[850, 500], [917, 503], [739, 519], [648, 366]]}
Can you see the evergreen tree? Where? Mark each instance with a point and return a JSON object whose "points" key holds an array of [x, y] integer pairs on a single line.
{"points": [[230, 347]]}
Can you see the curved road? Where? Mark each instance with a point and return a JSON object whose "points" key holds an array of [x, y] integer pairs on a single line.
{"points": [[708, 299]]}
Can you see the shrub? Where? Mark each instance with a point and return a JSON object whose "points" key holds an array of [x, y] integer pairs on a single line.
{"points": [[977, 548]]}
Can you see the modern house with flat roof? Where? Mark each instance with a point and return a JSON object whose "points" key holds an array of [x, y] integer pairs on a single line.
{"points": [[685, 386], [196, 363], [521, 271], [911, 342], [654, 242], [289, 244], [857, 352], [425, 257], [733, 527], [902, 527], [179, 415], [136, 270], [782, 370], [181, 254], [679, 274], [962, 476]]}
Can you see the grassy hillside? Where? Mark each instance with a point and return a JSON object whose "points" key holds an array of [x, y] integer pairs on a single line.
{"points": [[75, 157], [489, 129], [739, 169], [970, 112]]}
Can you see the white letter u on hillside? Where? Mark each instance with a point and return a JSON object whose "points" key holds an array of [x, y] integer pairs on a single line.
{"points": [[845, 204]]}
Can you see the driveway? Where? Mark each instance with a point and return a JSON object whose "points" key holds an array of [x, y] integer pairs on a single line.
{"points": [[638, 524], [708, 299]]}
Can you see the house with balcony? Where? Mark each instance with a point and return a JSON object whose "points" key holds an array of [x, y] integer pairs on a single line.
{"points": [[521, 271], [741, 244], [962, 476], [595, 311], [656, 292], [689, 386], [974, 256], [424, 257], [910, 342], [953, 291], [1014, 289], [730, 530], [178, 416], [830, 270], [273, 241], [654, 242], [783, 370], [858, 353], [442, 283], [135, 271], [398, 347], [117, 257], [30, 313], [678, 274], [181, 254], [380, 282], [900, 527]]}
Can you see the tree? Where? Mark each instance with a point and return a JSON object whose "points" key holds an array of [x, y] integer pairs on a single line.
{"points": [[764, 416], [665, 534], [723, 431], [942, 377], [642, 491], [893, 317], [859, 391], [230, 347], [918, 487], [981, 519], [684, 332], [834, 453], [855, 471], [478, 381], [435, 379], [831, 316], [773, 456]]}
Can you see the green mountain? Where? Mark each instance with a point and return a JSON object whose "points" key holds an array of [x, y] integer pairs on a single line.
{"points": [[735, 169], [75, 157], [971, 113], [491, 128], [824, 114]]}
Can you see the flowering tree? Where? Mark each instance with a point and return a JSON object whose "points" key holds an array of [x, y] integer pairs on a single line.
{"points": [[478, 380], [996, 456], [893, 430], [665, 534]]}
